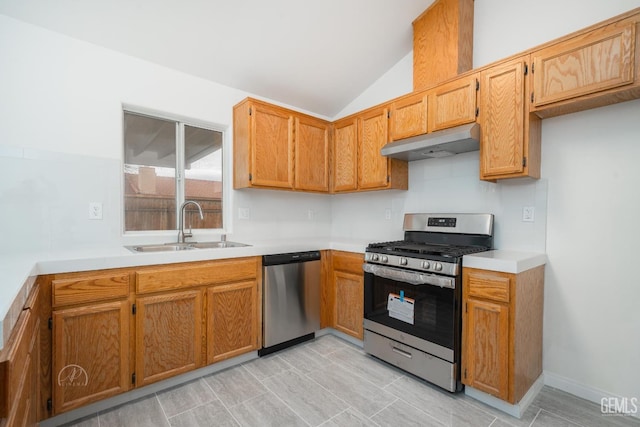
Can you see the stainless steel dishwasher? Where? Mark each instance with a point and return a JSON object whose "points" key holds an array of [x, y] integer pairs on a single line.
{"points": [[291, 299]]}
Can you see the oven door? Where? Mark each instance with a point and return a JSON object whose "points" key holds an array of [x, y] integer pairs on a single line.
{"points": [[426, 307]]}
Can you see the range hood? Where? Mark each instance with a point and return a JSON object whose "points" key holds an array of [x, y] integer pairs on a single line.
{"points": [[442, 143]]}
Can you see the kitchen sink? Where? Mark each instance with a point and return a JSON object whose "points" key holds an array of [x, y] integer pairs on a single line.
{"points": [[187, 246]]}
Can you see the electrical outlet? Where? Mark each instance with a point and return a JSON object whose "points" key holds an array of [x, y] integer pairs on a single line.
{"points": [[387, 214], [528, 213], [244, 213], [95, 210]]}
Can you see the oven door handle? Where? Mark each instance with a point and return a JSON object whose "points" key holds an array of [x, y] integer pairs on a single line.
{"points": [[411, 277]]}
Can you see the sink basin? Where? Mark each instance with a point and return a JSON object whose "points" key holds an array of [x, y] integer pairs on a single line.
{"points": [[161, 248], [171, 247], [207, 245]]}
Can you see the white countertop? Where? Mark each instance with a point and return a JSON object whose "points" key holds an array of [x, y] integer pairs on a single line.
{"points": [[18, 272], [504, 261]]}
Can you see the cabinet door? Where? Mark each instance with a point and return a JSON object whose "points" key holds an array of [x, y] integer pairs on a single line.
{"points": [[453, 104], [349, 300], [502, 115], [271, 147], [311, 154], [345, 155], [233, 320], [408, 117], [168, 335], [373, 170], [599, 60], [485, 364], [90, 354]]}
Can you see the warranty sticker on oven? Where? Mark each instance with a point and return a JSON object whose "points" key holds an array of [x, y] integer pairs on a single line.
{"points": [[400, 308]]}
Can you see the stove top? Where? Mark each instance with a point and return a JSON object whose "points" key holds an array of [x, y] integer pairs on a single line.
{"points": [[424, 250], [435, 243]]}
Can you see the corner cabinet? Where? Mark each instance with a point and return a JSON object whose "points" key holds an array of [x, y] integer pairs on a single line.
{"points": [[277, 148], [509, 133], [502, 331]]}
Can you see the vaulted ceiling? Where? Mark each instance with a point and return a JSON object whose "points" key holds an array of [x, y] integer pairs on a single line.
{"points": [[316, 55]]}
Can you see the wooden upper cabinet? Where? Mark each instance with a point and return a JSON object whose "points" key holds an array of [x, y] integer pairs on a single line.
{"points": [[272, 147], [442, 42], [408, 116], [373, 170], [584, 65], [268, 139], [345, 155], [453, 104], [262, 145], [311, 154], [510, 136]]}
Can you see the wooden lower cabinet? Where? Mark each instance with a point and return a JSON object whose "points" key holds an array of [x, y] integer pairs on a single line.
{"points": [[488, 334], [168, 335], [342, 305], [90, 354], [110, 337], [233, 320], [19, 361], [502, 331]]}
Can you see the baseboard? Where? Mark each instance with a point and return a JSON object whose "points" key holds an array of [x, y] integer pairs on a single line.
{"points": [[592, 394], [515, 410], [342, 335]]}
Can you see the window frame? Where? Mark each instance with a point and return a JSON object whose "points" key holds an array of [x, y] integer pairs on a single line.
{"points": [[180, 121]]}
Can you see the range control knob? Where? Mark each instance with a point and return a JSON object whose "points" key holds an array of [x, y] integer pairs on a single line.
{"points": [[384, 258], [374, 257], [403, 261], [426, 265], [437, 267]]}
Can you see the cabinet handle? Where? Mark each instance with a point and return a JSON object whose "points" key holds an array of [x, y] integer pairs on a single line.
{"points": [[402, 352]]}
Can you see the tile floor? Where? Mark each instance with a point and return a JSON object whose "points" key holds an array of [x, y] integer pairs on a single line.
{"points": [[329, 382]]}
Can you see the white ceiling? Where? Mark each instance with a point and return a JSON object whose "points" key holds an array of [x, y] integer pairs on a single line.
{"points": [[316, 55]]}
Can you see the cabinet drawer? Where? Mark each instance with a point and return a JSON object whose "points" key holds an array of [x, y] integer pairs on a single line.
{"points": [[493, 286], [89, 289], [185, 276], [348, 261]]}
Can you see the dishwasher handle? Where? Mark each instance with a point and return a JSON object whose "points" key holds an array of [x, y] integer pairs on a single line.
{"points": [[290, 258]]}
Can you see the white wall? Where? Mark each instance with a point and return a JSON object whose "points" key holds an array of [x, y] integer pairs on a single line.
{"points": [[61, 142], [587, 204]]}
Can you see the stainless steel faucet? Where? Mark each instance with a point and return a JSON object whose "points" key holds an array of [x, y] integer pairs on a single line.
{"points": [[181, 234]]}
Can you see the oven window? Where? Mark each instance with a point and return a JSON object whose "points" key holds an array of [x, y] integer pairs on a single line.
{"points": [[434, 309]]}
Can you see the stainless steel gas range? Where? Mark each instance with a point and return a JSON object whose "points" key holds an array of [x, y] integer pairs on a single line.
{"points": [[413, 294]]}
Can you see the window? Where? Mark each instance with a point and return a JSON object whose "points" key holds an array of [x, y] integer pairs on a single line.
{"points": [[165, 163]]}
